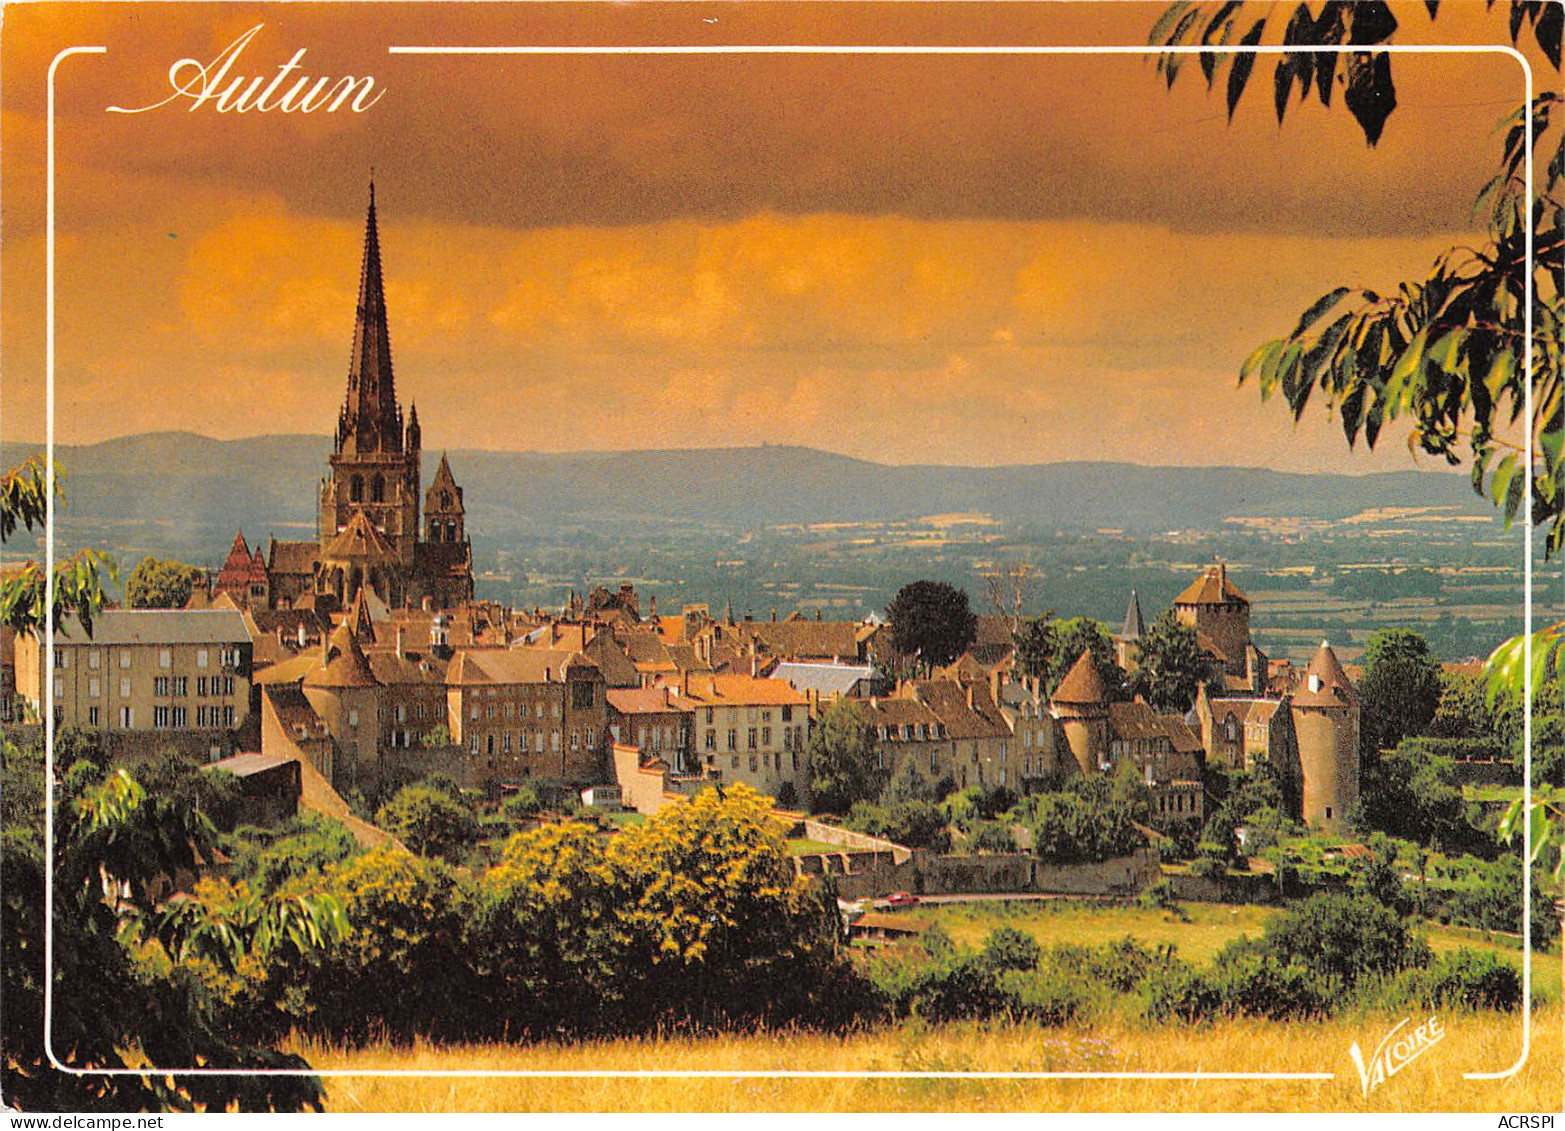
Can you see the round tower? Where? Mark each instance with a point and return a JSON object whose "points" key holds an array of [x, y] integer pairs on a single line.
{"points": [[1326, 723], [346, 695], [1081, 704]]}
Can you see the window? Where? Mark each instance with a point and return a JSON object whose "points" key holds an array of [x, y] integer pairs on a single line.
{"points": [[750, 739], [160, 717], [733, 763], [228, 684], [179, 716], [489, 746], [473, 712], [766, 736], [752, 763], [733, 742], [506, 744], [201, 685], [521, 742], [575, 740], [94, 688], [787, 714], [92, 716], [165, 658], [124, 657], [201, 657], [472, 744], [709, 716], [581, 695], [766, 716], [94, 659], [711, 740], [181, 685], [127, 718], [229, 657], [59, 688], [554, 740], [124, 689], [61, 658], [587, 739], [353, 718], [400, 713], [160, 686], [556, 708], [59, 716]]}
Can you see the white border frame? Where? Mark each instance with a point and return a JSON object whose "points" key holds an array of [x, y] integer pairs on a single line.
{"points": [[795, 49]]}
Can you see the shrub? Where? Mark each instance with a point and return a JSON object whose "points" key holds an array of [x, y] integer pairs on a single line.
{"points": [[1253, 983], [1045, 996], [1209, 867], [994, 836], [1345, 936], [524, 803], [429, 820], [1176, 991], [1010, 949], [1472, 979]]}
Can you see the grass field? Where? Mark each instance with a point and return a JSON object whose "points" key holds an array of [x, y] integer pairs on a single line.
{"points": [[1434, 1082], [1207, 927], [803, 846], [1488, 1042]]}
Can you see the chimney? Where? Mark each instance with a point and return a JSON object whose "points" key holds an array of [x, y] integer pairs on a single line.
{"points": [[302, 640], [996, 681], [1222, 574], [755, 663], [684, 683], [282, 637], [969, 697], [668, 696], [400, 654], [774, 613]]}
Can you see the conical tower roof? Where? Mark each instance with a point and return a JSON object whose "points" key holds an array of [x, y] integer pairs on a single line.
{"points": [[1325, 683], [1135, 628], [1083, 684], [343, 664]]}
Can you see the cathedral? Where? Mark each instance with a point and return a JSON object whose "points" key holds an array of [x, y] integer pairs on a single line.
{"points": [[368, 531]]}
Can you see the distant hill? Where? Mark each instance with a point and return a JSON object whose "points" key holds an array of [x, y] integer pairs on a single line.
{"points": [[180, 493]]}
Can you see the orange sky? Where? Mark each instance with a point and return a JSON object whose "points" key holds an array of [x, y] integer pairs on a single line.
{"points": [[960, 260]]}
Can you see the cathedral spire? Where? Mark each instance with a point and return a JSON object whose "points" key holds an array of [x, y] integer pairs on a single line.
{"points": [[370, 415]]}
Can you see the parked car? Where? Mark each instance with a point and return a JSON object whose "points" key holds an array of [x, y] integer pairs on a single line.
{"points": [[901, 899]]}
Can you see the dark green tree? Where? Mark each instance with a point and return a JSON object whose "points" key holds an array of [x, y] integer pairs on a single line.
{"points": [[429, 820], [1172, 668], [931, 621], [844, 764], [162, 583], [1399, 690], [1047, 650]]}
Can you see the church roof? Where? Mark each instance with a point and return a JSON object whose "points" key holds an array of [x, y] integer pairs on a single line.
{"points": [[294, 557], [359, 539], [1211, 588], [1082, 684]]}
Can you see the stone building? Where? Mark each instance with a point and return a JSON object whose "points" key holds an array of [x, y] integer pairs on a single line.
{"points": [[176, 677], [751, 730]]}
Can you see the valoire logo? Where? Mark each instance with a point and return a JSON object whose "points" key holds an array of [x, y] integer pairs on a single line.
{"points": [[1394, 1054]]}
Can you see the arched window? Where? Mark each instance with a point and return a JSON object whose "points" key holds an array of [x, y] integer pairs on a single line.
{"points": [[356, 489], [1231, 728], [378, 490], [451, 530], [434, 530]]}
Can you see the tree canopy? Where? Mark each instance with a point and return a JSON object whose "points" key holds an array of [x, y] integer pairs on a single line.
{"points": [[1048, 649], [1172, 667], [162, 583], [844, 764], [1399, 690], [931, 620]]}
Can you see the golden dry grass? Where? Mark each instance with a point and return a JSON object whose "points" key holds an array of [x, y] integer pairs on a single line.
{"points": [[1483, 1042]]}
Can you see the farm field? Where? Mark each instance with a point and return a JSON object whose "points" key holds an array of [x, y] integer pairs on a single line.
{"points": [[1434, 1082]]}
